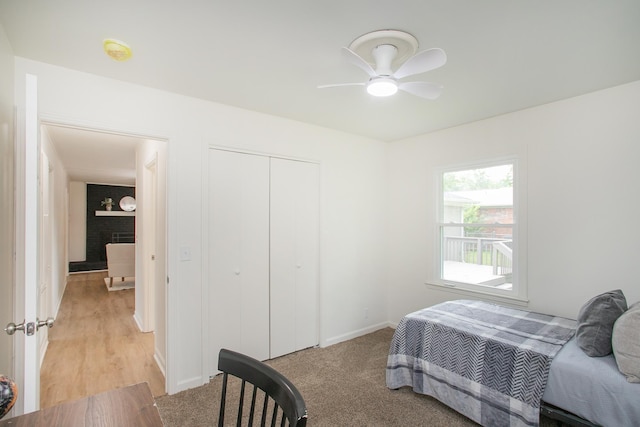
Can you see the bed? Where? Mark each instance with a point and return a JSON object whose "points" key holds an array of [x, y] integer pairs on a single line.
{"points": [[503, 366]]}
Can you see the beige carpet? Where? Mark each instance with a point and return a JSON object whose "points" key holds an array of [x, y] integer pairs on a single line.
{"points": [[343, 385]]}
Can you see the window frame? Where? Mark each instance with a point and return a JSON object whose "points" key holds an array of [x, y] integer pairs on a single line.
{"points": [[518, 293]]}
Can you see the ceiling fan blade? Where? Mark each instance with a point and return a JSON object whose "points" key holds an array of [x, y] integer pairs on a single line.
{"points": [[422, 62], [422, 89], [341, 84], [357, 60]]}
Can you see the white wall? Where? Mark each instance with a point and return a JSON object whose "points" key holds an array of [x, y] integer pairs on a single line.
{"points": [[581, 156], [77, 221], [6, 200], [353, 170]]}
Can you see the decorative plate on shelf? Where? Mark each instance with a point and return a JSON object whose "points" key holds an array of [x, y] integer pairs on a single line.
{"points": [[128, 204]]}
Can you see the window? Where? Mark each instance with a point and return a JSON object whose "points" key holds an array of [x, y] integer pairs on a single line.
{"points": [[477, 230]]}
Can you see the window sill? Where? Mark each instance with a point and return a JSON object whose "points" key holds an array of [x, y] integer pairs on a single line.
{"points": [[505, 299]]}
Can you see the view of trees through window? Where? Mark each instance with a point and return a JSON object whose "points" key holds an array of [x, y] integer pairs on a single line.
{"points": [[479, 179], [476, 226]]}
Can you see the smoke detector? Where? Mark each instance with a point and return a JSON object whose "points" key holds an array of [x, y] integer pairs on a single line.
{"points": [[116, 49]]}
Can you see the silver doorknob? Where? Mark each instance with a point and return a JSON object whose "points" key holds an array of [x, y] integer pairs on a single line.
{"points": [[12, 328], [28, 328], [48, 323]]}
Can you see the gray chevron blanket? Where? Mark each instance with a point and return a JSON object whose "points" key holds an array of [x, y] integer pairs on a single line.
{"points": [[486, 361]]}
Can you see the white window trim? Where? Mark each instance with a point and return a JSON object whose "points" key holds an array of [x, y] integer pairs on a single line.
{"points": [[518, 294]]}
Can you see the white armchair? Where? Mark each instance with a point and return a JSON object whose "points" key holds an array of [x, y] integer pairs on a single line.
{"points": [[121, 260]]}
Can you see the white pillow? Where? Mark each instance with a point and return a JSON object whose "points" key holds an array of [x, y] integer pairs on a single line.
{"points": [[626, 343]]}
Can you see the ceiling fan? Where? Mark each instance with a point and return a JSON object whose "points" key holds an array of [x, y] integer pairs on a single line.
{"points": [[379, 52]]}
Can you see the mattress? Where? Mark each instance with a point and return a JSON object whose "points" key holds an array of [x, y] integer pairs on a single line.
{"points": [[592, 388]]}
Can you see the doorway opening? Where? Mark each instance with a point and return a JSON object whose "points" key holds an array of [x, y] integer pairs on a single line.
{"points": [[82, 157]]}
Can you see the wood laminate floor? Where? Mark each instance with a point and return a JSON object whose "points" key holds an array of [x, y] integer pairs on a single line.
{"points": [[95, 344]]}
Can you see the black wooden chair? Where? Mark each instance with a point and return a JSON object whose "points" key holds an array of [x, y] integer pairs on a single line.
{"points": [[280, 398]]}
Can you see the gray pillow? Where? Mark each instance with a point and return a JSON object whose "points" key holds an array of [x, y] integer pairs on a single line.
{"points": [[595, 322], [626, 343]]}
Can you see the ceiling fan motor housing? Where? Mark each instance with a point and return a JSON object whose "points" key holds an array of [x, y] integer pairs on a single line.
{"points": [[384, 55]]}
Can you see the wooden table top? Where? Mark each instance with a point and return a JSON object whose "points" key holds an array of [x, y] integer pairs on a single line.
{"points": [[128, 406]]}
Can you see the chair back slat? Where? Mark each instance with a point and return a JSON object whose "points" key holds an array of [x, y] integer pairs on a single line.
{"points": [[265, 405], [274, 416], [279, 392], [252, 410], [241, 403], [223, 399]]}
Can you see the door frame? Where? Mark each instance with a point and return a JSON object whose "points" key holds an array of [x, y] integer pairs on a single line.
{"points": [[27, 265], [45, 248], [149, 216]]}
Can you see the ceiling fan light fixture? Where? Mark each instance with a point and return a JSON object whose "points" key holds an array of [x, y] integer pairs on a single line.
{"points": [[116, 49], [388, 56], [382, 86]]}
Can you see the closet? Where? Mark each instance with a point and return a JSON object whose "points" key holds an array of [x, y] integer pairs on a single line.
{"points": [[263, 254]]}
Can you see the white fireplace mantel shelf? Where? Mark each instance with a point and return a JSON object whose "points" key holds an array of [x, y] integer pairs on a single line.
{"points": [[115, 213]]}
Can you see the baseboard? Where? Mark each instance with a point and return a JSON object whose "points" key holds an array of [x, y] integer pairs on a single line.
{"points": [[190, 383], [393, 325], [136, 319], [87, 271], [354, 334], [160, 362]]}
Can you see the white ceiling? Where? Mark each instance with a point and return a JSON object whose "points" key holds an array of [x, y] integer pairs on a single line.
{"points": [[269, 56], [95, 157]]}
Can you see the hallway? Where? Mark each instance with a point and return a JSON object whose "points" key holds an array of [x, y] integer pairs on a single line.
{"points": [[95, 344]]}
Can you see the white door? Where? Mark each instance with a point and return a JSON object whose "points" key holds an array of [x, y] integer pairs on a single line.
{"points": [[238, 255], [294, 253], [7, 236], [26, 362]]}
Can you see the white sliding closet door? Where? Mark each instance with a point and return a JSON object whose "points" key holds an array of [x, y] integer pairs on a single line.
{"points": [[294, 243], [238, 254]]}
